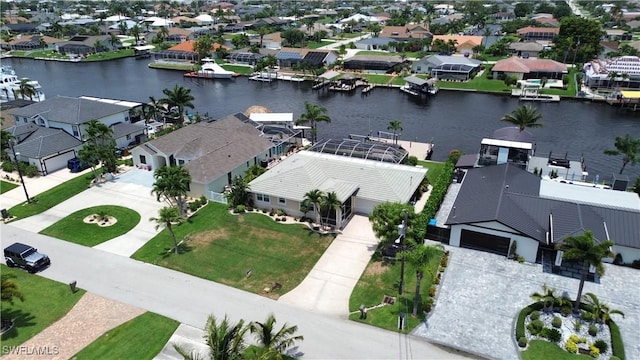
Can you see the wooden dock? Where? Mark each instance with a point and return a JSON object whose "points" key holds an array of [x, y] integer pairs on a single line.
{"points": [[533, 95]]}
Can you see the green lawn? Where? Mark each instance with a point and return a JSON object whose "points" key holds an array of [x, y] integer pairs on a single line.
{"points": [[173, 66], [6, 186], [571, 90], [374, 53], [480, 83], [242, 70], [46, 301], [124, 342], [110, 55], [223, 247], [543, 350], [381, 278], [73, 228], [377, 79], [52, 197], [435, 168], [317, 44], [346, 35]]}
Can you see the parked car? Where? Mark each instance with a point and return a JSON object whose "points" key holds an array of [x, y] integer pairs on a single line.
{"points": [[75, 165], [26, 257]]}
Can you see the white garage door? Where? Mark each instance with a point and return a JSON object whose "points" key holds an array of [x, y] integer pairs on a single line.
{"points": [[364, 207], [58, 162]]}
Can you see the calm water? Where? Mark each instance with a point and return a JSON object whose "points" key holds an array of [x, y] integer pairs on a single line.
{"points": [[451, 119]]}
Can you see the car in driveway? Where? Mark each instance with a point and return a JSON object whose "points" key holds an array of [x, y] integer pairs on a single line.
{"points": [[25, 257]]}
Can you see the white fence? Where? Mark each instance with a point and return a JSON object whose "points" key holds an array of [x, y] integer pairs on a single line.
{"points": [[217, 197]]}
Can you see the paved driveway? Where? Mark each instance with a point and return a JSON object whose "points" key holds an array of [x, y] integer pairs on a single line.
{"points": [[130, 190], [328, 286], [482, 294]]}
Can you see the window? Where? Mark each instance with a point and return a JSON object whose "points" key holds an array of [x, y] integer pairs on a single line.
{"points": [[76, 132], [282, 201], [263, 198], [143, 159], [128, 137], [180, 162]]}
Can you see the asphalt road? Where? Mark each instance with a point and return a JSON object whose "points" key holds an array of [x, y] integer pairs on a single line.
{"points": [[190, 300]]}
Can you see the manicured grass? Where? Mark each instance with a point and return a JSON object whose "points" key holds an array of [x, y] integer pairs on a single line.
{"points": [[543, 350], [73, 228], [172, 66], [375, 53], [317, 44], [480, 83], [435, 168], [223, 247], [348, 35], [110, 55], [6, 186], [398, 80], [46, 301], [242, 70], [381, 278], [571, 89], [377, 79], [139, 338], [52, 197]]}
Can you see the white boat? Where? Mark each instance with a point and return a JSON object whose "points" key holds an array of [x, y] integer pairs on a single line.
{"points": [[212, 70], [10, 86]]}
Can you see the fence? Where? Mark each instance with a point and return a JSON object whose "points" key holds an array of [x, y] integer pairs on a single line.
{"points": [[217, 197]]}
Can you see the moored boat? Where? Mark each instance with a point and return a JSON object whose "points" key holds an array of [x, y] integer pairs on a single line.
{"points": [[12, 86]]}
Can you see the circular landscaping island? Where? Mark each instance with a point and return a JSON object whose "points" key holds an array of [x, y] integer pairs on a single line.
{"points": [[552, 329], [94, 225]]}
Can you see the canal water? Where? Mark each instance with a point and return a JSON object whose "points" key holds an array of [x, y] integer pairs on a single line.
{"points": [[451, 119]]}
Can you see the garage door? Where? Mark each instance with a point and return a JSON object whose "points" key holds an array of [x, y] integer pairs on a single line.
{"points": [[485, 242], [58, 162], [364, 207]]}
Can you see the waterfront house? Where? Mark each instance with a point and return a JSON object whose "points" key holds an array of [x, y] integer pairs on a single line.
{"points": [[60, 119], [447, 67], [531, 33], [31, 42], [83, 45], [360, 184], [373, 62], [626, 68], [214, 152], [464, 44], [529, 68]]}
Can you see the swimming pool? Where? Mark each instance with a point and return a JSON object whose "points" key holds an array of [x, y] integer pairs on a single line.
{"points": [[533, 81]]}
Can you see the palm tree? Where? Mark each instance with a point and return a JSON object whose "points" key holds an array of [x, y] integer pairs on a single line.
{"points": [[601, 311], [523, 117], [163, 34], [420, 256], [330, 202], [10, 289], [395, 126], [225, 340], [167, 217], [271, 340], [583, 247], [26, 89], [172, 184], [628, 147], [153, 109], [135, 32], [114, 41], [547, 297], [315, 197], [312, 115], [179, 97], [239, 194]]}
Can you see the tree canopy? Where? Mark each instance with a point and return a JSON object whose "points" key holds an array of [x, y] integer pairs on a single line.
{"points": [[579, 38]]}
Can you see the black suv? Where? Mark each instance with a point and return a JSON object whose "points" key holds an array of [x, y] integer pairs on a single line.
{"points": [[26, 257]]}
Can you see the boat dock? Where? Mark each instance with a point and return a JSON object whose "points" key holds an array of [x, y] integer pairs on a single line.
{"points": [[269, 77], [422, 151], [533, 95], [196, 75]]}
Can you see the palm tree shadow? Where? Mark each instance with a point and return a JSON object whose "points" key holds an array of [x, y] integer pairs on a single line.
{"points": [[21, 320], [167, 252]]}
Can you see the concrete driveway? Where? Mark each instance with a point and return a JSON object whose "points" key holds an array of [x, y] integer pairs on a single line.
{"points": [[328, 286], [130, 189], [482, 294]]}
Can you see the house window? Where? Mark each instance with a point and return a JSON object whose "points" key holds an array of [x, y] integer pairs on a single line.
{"points": [[180, 162], [128, 137], [282, 201], [143, 159], [263, 198], [76, 132]]}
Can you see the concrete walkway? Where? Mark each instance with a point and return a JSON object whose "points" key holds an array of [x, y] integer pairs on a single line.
{"points": [[328, 286], [188, 338]]}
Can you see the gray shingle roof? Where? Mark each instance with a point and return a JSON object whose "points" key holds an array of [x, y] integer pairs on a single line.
{"points": [[22, 129], [45, 141], [307, 170], [123, 129], [69, 110]]}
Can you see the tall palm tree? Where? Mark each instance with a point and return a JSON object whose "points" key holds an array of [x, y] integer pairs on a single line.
{"points": [[167, 217], [163, 33], [270, 339], [395, 126], [329, 203], [172, 184], [583, 248], [181, 98], [420, 256], [547, 297], [601, 311], [628, 147], [312, 115], [525, 116], [224, 339], [26, 89], [315, 197]]}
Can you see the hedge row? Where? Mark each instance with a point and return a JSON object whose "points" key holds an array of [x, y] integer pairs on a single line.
{"points": [[617, 346], [523, 315], [440, 187]]}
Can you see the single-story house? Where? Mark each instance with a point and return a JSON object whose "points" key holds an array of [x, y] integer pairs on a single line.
{"points": [[269, 41], [499, 205], [616, 35], [31, 42], [319, 58], [406, 33], [82, 45], [372, 62], [529, 68], [531, 33], [373, 43], [464, 43], [359, 184], [526, 49], [447, 67], [214, 152]]}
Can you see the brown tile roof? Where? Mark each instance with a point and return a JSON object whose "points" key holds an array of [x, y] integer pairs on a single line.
{"points": [[469, 41], [530, 29], [180, 31], [417, 31], [188, 46], [519, 65]]}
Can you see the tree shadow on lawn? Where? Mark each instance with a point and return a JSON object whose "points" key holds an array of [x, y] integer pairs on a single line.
{"points": [[183, 248], [20, 318]]}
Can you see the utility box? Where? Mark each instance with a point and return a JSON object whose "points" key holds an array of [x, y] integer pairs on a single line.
{"points": [[619, 182]]}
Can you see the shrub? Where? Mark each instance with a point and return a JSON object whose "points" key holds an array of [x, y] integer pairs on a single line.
{"points": [[535, 327], [523, 315], [618, 259], [412, 160], [577, 339], [587, 316], [594, 352], [432, 291], [428, 304], [577, 325], [279, 212], [556, 322], [535, 315], [264, 211], [593, 330], [522, 342], [240, 209], [193, 206], [617, 346], [635, 264], [553, 335], [565, 310], [7, 166], [614, 358], [203, 200], [601, 345], [444, 261], [571, 347]]}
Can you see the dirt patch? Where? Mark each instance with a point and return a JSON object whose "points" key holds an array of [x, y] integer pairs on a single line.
{"points": [[376, 268], [207, 237], [101, 221]]}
